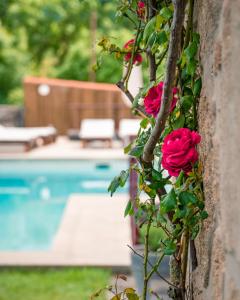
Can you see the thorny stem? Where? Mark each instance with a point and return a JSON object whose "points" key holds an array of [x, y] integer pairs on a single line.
{"points": [[151, 57], [155, 266], [130, 65], [152, 266], [174, 49], [145, 262], [184, 260]]}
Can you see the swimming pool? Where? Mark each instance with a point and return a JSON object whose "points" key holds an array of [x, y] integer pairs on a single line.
{"points": [[33, 195]]}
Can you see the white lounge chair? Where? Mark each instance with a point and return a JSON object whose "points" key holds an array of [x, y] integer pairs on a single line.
{"points": [[96, 129], [128, 129], [48, 134], [25, 138], [15, 140]]}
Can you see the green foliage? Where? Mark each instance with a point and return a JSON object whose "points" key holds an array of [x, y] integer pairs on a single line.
{"points": [[53, 38], [156, 236], [49, 284], [118, 181], [173, 208]]}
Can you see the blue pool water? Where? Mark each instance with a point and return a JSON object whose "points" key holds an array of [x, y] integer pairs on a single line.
{"points": [[33, 196]]}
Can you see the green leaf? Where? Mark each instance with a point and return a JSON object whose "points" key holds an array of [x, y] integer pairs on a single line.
{"points": [[166, 13], [159, 20], [130, 291], [197, 87], [136, 99], [179, 123], [179, 179], [186, 102], [195, 230], [191, 67], [168, 202], [128, 208], [161, 37], [156, 175], [170, 247], [132, 296], [136, 151], [191, 50], [144, 123], [113, 185], [152, 39], [118, 181], [123, 177], [127, 148], [203, 215], [187, 198], [196, 37], [200, 204], [149, 29]]}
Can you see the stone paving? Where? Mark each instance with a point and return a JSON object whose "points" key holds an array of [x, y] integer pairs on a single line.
{"points": [[93, 232]]}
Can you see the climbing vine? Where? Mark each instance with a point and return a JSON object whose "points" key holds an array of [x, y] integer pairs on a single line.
{"points": [[165, 149]]}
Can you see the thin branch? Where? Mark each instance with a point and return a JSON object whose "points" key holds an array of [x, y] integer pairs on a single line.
{"points": [[130, 65], [145, 261], [155, 266], [139, 108], [173, 55], [151, 56], [152, 266], [161, 57]]}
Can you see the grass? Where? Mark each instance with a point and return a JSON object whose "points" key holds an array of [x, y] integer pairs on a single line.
{"points": [[52, 284]]}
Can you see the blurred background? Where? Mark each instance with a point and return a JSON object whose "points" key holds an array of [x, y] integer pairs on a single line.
{"points": [[56, 39]]}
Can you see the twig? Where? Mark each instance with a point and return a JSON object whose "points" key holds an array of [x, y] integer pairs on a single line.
{"points": [[162, 57], [151, 56], [130, 65], [140, 109], [155, 266], [151, 265], [174, 49]]}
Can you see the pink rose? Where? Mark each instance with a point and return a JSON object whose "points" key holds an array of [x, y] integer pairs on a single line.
{"points": [[129, 47], [153, 100], [179, 151]]}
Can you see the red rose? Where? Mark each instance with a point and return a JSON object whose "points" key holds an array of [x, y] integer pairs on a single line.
{"points": [[141, 9], [129, 47], [179, 151], [153, 100]]}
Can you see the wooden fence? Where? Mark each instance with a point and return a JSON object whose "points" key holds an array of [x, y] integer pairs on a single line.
{"points": [[64, 103]]}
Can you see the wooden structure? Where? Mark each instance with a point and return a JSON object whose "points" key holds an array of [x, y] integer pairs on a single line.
{"points": [[64, 103]]}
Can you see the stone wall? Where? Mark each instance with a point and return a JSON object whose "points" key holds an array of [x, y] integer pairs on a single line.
{"points": [[217, 275]]}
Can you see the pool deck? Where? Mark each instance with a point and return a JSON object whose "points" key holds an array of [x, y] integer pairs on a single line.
{"points": [[93, 232], [64, 148]]}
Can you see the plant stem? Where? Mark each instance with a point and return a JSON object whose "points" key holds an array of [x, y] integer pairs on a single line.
{"points": [[145, 263], [130, 65], [151, 57], [156, 271], [155, 266], [188, 35], [184, 260]]}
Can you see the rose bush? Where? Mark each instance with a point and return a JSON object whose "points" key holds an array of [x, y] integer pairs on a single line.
{"points": [[179, 151], [137, 59], [153, 100]]}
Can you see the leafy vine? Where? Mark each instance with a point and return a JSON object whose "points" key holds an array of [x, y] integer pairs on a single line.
{"points": [[169, 171]]}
